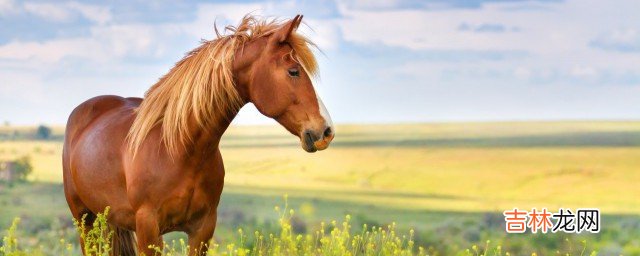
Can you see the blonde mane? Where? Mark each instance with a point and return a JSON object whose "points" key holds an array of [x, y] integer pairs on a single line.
{"points": [[199, 90]]}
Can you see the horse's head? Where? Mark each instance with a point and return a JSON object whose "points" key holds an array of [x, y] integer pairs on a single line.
{"points": [[278, 82]]}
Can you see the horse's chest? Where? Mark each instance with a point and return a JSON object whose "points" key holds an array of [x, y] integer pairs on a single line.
{"points": [[192, 204], [188, 194]]}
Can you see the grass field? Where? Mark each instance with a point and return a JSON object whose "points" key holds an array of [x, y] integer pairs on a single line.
{"points": [[448, 181]]}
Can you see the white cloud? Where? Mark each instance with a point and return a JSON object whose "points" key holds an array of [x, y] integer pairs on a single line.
{"points": [[105, 44], [49, 11], [7, 7], [583, 72], [522, 73], [65, 12], [113, 42], [134, 40], [557, 37], [324, 33], [373, 4], [420, 29], [98, 14], [559, 27], [49, 51], [623, 40]]}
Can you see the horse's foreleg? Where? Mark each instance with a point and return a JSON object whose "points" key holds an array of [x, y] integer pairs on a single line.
{"points": [[200, 236], [148, 232]]}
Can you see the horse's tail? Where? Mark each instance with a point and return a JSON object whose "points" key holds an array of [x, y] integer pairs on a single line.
{"points": [[123, 243]]}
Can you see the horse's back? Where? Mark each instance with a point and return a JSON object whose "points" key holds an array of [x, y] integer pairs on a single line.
{"points": [[87, 112]]}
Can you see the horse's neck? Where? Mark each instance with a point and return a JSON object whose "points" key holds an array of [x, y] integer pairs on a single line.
{"points": [[209, 138]]}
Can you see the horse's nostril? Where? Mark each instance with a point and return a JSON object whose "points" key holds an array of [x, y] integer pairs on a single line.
{"points": [[308, 136], [327, 132]]}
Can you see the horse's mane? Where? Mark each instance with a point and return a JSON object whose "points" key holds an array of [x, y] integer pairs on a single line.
{"points": [[199, 90]]}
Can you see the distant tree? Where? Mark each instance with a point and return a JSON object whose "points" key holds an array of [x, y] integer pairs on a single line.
{"points": [[43, 132], [6, 123]]}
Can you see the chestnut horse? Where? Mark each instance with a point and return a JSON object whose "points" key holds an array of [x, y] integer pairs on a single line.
{"points": [[156, 161]]}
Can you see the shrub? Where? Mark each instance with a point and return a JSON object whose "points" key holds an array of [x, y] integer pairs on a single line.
{"points": [[43, 132], [23, 168]]}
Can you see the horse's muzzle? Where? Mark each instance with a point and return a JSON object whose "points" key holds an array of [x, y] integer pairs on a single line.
{"points": [[313, 141]]}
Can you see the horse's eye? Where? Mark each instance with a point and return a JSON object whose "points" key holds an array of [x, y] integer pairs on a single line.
{"points": [[294, 72]]}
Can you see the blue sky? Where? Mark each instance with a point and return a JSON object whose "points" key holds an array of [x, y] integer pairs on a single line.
{"points": [[383, 61]]}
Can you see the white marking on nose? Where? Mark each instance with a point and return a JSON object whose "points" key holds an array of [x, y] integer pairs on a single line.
{"points": [[323, 112]]}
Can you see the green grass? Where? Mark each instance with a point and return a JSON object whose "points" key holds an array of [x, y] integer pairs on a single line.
{"points": [[449, 182], [45, 219], [334, 238]]}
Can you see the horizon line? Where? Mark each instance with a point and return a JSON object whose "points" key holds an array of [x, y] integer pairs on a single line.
{"points": [[551, 120]]}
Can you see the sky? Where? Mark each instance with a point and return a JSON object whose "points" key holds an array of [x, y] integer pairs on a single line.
{"points": [[382, 61]]}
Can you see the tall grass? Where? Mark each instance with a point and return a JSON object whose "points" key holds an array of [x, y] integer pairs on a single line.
{"points": [[97, 239], [330, 239], [334, 238]]}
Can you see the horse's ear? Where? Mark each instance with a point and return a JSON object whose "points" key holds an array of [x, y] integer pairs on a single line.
{"points": [[282, 34]]}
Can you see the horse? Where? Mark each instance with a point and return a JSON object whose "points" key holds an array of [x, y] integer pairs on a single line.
{"points": [[155, 161]]}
